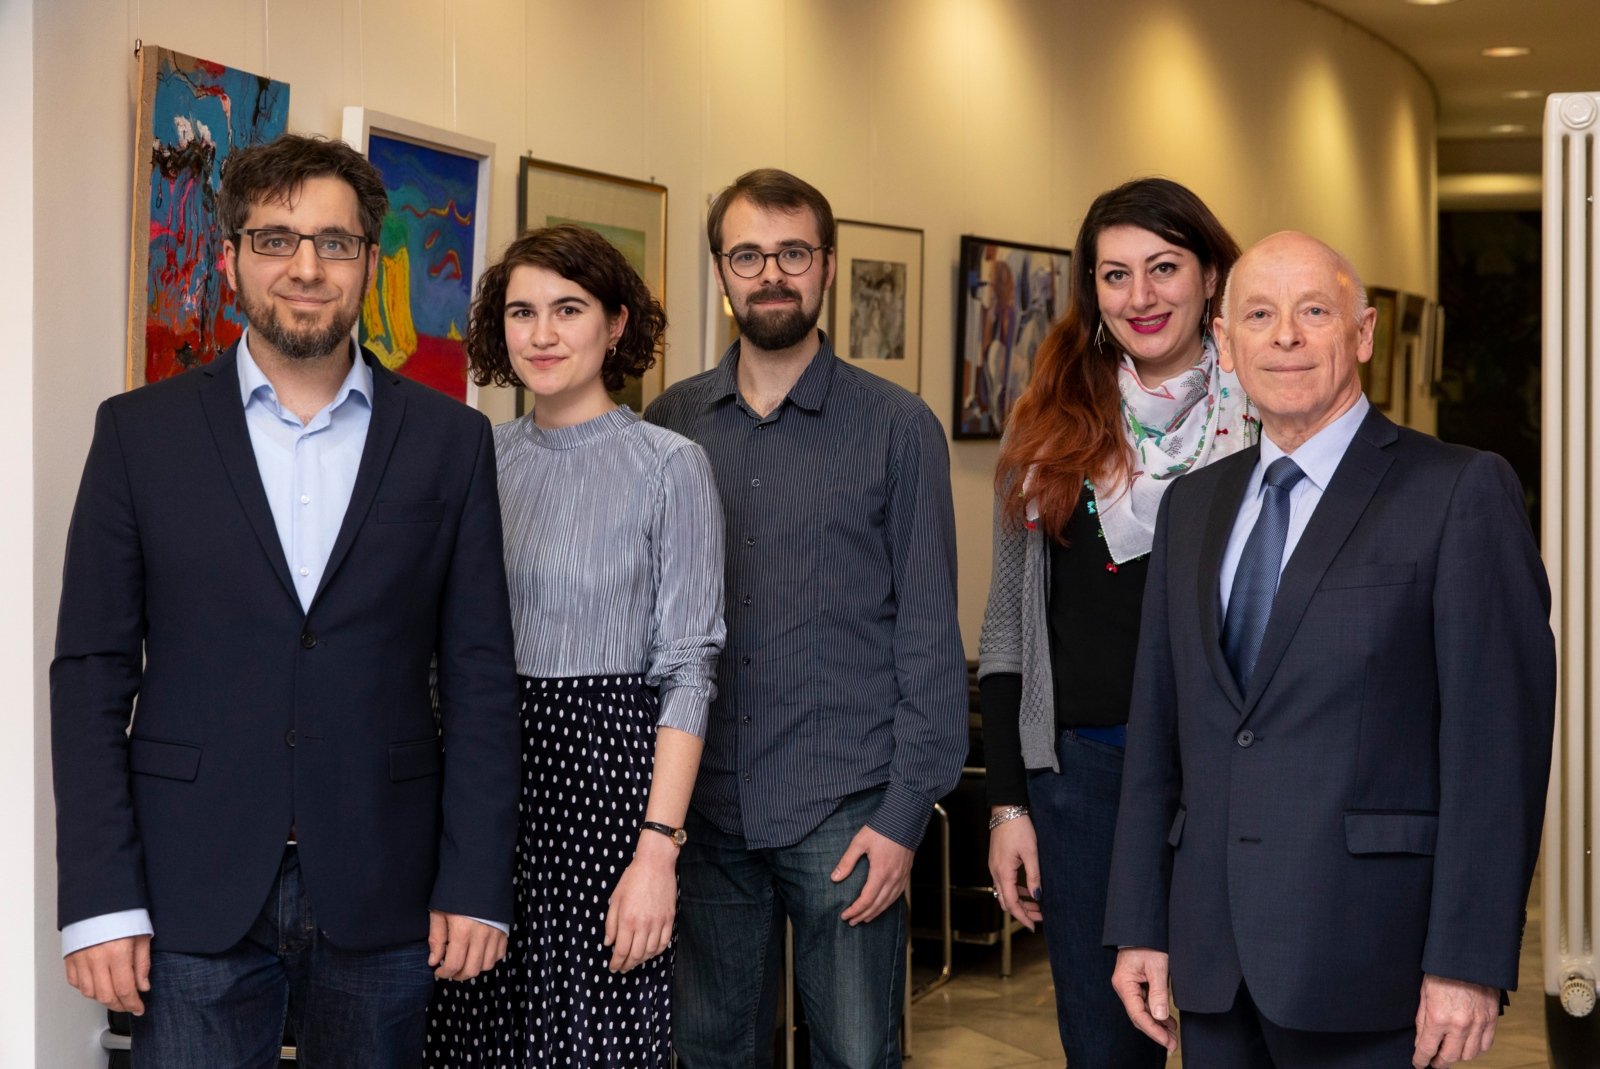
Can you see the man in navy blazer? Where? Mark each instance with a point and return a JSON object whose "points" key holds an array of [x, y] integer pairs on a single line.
{"points": [[1333, 793], [273, 561]]}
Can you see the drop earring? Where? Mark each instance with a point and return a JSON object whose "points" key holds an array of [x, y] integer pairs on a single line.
{"points": [[1100, 334]]}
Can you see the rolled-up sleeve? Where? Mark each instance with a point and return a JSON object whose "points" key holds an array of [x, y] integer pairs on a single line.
{"points": [[688, 631]]}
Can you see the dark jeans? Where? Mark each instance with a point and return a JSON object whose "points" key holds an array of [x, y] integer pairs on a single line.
{"points": [[1074, 817], [349, 1009], [1243, 1039], [851, 979]]}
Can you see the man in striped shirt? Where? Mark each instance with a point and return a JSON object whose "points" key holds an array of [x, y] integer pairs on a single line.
{"points": [[840, 716]]}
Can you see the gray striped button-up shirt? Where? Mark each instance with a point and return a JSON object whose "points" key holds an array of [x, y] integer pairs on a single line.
{"points": [[613, 544], [844, 669]]}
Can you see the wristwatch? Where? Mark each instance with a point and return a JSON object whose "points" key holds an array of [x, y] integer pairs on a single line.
{"points": [[677, 835]]}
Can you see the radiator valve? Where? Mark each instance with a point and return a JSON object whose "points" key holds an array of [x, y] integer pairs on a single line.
{"points": [[1577, 995]]}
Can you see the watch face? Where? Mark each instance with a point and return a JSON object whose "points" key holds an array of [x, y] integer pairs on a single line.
{"points": [[680, 836]]}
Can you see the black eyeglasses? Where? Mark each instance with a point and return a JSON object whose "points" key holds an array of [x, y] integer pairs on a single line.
{"points": [[792, 259], [329, 245]]}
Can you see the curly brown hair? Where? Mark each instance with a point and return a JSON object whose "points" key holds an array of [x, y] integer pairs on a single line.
{"points": [[579, 255]]}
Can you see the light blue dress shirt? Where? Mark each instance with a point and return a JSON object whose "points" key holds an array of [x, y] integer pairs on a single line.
{"points": [[1318, 456], [308, 471]]}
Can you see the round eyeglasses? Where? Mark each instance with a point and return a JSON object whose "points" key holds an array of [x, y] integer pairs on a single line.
{"points": [[792, 259], [330, 245]]}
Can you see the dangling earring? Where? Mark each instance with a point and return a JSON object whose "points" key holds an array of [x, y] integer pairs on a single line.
{"points": [[611, 352], [1205, 324], [1100, 334]]}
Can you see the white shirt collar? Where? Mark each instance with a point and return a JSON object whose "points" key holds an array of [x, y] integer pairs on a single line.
{"points": [[253, 381]]}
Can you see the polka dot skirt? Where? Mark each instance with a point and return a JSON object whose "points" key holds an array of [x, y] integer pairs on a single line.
{"points": [[587, 755]]}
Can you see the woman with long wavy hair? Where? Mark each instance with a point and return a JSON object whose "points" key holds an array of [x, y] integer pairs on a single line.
{"points": [[1126, 396]]}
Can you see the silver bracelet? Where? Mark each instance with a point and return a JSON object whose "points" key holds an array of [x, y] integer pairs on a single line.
{"points": [[1010, 812]]}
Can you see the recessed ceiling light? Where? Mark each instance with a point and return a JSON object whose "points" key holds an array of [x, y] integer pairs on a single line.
{"points": [[1508, 128], [1430, 3], [1523, 94], [1507, 52]]}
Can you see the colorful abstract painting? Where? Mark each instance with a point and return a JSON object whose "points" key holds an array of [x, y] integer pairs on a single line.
{"points": [[415, 318], [192, 114]]}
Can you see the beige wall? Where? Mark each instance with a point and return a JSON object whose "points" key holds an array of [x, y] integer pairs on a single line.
{"points": [[994, 117]]}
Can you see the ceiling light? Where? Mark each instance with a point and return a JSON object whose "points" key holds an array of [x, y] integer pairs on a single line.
{"points": [[1430, 3], [1507, 52], [1523, 94], [1508, 128]]}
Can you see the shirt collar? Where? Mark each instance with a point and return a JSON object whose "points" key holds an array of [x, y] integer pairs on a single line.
{"points": [[809, 390], [1319, 455], [253, 382]]}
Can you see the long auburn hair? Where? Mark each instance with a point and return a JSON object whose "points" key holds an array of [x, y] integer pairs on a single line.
{"points": [[1067, 425]]}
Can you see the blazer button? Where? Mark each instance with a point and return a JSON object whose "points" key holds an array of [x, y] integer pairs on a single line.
{"points": [[308, 640], [1245, 738], [289, 738]]}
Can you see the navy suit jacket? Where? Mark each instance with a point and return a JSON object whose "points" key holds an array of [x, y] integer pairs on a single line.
{"points": [[251, 715], [1370, 808]]}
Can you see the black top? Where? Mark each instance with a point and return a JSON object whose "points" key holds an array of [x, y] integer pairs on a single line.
{"points": [[1094, 607]]}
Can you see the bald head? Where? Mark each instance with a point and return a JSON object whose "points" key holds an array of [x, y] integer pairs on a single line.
{"points": [[1295, 327], [1292, 245]]}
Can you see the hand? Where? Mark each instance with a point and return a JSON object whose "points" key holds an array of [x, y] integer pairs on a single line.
{"points": [[1014, 857], [113, 973], [461, 947], [1455, 1022], [639, 915], [888, 871], [1140, 980]]}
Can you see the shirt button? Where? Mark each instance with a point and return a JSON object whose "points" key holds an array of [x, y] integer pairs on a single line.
{"points": [[308, 640], [305, 571], [745, 600], [745, 659], [755, 482], [747, 777], [1245, 738], [305, 499], [750, 541], [744, 719]]}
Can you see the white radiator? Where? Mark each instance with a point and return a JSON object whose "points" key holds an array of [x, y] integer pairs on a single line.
{"points": [[1569, 519]]}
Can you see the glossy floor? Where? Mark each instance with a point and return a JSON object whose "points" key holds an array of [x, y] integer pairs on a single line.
{"points": [[979, 1021]]}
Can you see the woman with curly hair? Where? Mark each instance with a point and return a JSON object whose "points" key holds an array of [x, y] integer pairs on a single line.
{"points": [[1126, 396], [613, 551]]}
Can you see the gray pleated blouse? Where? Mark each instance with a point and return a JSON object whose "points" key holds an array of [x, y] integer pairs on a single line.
{"points": [[613, 542]]}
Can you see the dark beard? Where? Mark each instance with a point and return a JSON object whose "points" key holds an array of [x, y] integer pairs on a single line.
{"points": [[298, 344], [776, 331]]}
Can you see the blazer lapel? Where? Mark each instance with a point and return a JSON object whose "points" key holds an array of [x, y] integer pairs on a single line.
{"points": [[224, 412], [1349, 492], [388, 410], [1208, 594]]}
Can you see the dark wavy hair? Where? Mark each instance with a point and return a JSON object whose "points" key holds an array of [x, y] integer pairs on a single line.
{"points": [[579, 255], [1068, 421], [772, 190], [276, 170]]}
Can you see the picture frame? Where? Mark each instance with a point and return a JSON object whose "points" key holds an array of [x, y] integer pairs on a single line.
{"points": [[433, 249], [874, 312], [629, 212], [1436, 350], [1377, 378], [1008, 294], [191, 115]]}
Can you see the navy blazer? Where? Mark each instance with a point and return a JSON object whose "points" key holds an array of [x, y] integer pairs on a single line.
{"points": [[1370, 808], [253, 715]]}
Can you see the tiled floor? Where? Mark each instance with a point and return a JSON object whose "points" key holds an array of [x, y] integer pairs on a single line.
{"points": [[979, 1021]]}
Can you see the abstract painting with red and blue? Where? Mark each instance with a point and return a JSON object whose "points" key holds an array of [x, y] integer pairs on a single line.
{"points": [[192, 114], [415, 318]]}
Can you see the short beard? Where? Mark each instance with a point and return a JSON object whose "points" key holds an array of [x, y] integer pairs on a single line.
{"points": [[299, 344], [775, 331]]}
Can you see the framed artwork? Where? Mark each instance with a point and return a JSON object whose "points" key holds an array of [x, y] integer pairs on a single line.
{"points": [[1377, 377], [1436, 349], [434, 246], [874, 313], [192, 114], [1007, 295], [630, 213]]}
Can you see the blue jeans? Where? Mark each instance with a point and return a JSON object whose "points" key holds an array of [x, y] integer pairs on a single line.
{"points": [[732, 901], [1074, 817], [350, 1009]]}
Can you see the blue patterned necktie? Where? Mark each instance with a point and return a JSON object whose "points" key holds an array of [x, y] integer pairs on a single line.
{"points": [[1256, 581]]}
